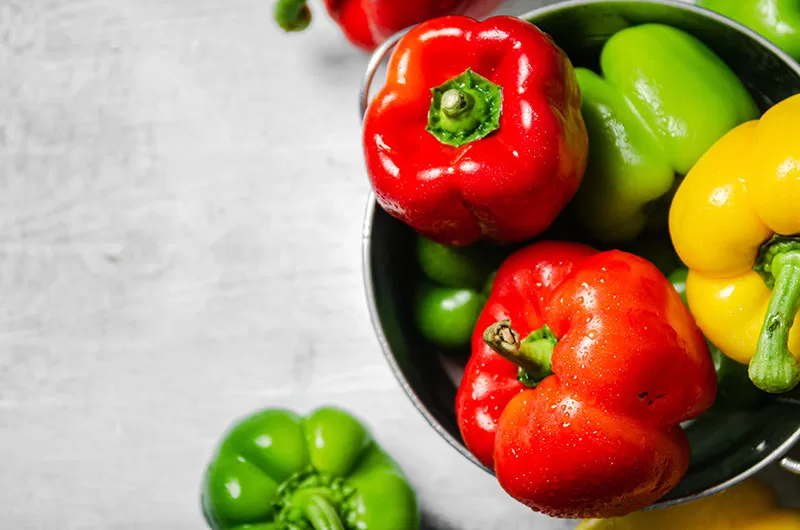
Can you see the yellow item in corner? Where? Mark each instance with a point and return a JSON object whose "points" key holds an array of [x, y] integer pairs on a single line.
{"points": [[777, 520], [750, 505]]}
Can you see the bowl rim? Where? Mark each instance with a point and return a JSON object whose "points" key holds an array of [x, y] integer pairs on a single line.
{"points": [[367, 272]]}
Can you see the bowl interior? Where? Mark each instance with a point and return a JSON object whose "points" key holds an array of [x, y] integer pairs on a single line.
{"points": [[726, 447]]}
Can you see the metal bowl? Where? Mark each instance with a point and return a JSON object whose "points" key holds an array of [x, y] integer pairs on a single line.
{"points": [[726, 447]]}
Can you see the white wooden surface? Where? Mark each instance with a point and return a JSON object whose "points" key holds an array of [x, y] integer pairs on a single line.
{"points": [[182, 197]]}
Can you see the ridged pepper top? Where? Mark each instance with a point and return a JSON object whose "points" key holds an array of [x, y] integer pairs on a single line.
{"points": [[277, 470], [499, 146]]}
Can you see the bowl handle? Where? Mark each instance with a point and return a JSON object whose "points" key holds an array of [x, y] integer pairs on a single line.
{"points": [[791, 465], [378, 56]]}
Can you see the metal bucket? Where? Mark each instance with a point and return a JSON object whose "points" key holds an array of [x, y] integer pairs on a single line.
{"points": [[726, 447]]}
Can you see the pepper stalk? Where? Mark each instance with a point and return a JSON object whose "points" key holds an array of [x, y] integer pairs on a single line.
{"points": [[464, 109], [311, 497], [317, 509], [773, 368], [532, 354]]}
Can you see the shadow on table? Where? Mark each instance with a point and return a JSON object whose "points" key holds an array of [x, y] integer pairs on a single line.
{"points": [[432, 522]]}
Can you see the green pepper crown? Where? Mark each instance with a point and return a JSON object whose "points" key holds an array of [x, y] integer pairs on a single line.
{"points": [[769, 251], [311, 500], [773, 367], [464, 109], [532, 354]]}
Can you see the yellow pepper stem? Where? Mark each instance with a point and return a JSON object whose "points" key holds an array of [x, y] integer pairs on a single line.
{"points": [[773, 368]]}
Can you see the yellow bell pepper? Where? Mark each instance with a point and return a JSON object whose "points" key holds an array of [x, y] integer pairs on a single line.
{"points": [[750, 505], [777, 520], [735, 222]]}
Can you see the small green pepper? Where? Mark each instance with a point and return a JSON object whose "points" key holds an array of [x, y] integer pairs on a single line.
{"points": [[454, 266], [734, 388], [275, 470], [663, 100], [777, 20], [446, 316], [450, 297]]}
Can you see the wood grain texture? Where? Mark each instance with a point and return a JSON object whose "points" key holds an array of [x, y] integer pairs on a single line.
{"points": [[180, 225]]}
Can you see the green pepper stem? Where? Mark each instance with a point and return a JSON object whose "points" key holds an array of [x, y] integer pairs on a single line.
{"points": [[456, 102], [318, 510], [292, 15], [773, 368], [532, 354], [464, 109]]}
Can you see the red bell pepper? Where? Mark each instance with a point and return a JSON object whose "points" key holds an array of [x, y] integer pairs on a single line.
{"points": [[367, 23], [477, 132], [578, 405]]}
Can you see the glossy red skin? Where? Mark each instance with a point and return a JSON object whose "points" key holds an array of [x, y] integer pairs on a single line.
{"points": [[587, 441], [367, 23], [506, 187]]}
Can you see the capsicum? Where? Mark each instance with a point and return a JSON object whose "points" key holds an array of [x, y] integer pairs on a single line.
{"points": [[276, 470], [735, 223], [367, 23], [663, 99], [735, 391], [477, 132], [583, 366], [750, 505], [777, 20], [445, 316], [450, 295]]}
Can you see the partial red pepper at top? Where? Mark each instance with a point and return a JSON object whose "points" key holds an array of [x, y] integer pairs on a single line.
{"points": [[599, 362], [367, 23], [477, 132]]}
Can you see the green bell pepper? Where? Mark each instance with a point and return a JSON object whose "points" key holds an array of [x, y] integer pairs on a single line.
{"points": [[454, 266], [275, 470], [450, 297], [446, 316], [663, 100], [777, 20], [734, 388]]}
